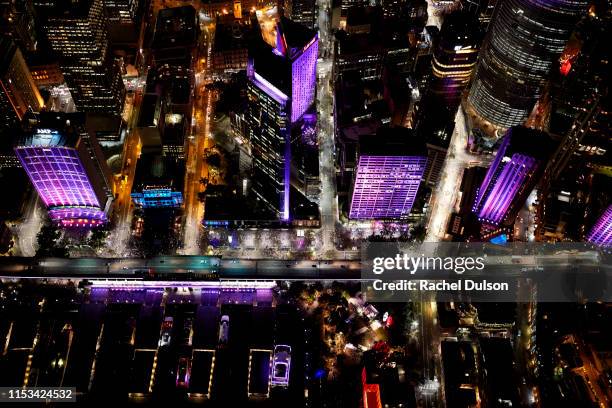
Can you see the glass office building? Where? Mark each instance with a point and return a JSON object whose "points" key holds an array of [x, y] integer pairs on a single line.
{"points": [[524, 40], [78, 34], [281, 90]]}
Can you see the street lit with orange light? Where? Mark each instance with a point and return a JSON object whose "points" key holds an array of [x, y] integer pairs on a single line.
{"points": [[198, 143], [306, 203], [123, 207]]}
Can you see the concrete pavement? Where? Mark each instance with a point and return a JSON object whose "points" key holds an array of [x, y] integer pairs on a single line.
{"points": [[445, 196], [27, 231]]}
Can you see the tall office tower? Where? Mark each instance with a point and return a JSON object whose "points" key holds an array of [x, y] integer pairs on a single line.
{"points": [[453, 63], [347, 4], [417, 13], [581, 115], [482, 9], [512, 175], [17, 20], [281, 89], [394, 9], [301, 11], [77, 33], [121, 11], [18, 91], [270, 138], [601, 233], [454, 60], [175, 37], [524, 40], [362, 53], [587, 140], [581, 102], [67, 168], [389, 172]]}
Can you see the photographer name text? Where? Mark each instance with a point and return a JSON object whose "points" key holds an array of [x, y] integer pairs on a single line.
{"points": [[440, 285]]}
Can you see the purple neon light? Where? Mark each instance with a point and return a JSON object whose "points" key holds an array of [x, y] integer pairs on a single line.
{"points": [[276, 94], [386, 186], [129, 283], [601, 233], [304, 79], [61, 182], [281, 42], [508, 180], [78, 216], [286, 182], [269, 89], [491, 172]]}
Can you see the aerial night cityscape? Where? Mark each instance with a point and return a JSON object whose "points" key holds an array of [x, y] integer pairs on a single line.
{"points": [[306, 203]]}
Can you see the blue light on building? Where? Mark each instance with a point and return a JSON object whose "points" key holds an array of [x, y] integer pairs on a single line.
{"points": [[500, 240], [158, 198]]}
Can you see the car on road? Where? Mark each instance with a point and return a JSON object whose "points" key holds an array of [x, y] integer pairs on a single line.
{"points": [[164, 338], [183, 372], [281, 365], [224, 329]]}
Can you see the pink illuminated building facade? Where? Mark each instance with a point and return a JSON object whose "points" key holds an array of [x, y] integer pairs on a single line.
{"points": [[601, 233], [67, 171], [389, 173], [516, 169], [281, 90]]}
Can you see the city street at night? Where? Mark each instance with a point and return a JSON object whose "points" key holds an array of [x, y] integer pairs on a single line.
{"points": [[306, 203]]}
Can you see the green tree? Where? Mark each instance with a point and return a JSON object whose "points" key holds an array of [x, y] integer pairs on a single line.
{"points": [[48, 239], [97, 237]]}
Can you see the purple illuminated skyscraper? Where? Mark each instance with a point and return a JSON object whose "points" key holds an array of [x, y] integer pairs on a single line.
{"points": [[67, 169], [388, 176], [601, 233], [281, 89], [516, 169]]}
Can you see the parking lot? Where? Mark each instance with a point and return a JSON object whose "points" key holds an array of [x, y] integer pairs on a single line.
{"points": [[139, 344]]}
